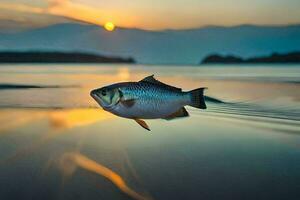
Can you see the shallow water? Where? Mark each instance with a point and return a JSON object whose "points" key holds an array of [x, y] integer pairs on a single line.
{"points": [[57, 144]]}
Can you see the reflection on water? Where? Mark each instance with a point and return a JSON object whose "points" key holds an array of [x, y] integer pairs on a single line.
{"points": [[58, 120], [84, 162], [77, 117], [247, 139]]}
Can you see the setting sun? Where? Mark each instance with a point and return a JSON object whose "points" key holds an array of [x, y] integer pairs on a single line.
{"points": [[109, 26]]}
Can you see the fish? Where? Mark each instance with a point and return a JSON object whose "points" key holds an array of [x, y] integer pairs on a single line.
{"points": [[148, 99]]}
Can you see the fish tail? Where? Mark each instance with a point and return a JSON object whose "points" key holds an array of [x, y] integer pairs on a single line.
{"points": [[197, 98]]}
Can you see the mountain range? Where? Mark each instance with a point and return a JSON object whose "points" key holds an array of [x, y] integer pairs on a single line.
{"points": [[156, 47]]}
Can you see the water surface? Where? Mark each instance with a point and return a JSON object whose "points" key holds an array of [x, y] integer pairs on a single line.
{"points": [[56, 143]]}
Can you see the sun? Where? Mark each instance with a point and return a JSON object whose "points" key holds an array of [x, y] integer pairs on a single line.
{"points": [[109, 26]]}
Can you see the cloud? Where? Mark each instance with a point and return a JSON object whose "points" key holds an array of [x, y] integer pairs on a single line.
{"points": [[75, 11], [57, 2], [62, 8], [21, 8]]}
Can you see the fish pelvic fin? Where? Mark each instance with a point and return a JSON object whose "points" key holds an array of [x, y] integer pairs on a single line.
{"points": [[143, 124], [178, 114], [197, 98]]}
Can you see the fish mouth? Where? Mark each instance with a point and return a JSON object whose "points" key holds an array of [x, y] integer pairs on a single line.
{"points": [[98, 99], [95, 96]]}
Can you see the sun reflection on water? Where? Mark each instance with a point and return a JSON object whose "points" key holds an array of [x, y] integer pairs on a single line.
{"points": [[70, 161], [77, 117], [59, 121]]}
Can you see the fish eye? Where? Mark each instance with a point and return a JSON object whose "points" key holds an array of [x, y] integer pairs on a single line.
{"points": [[103, 92]]}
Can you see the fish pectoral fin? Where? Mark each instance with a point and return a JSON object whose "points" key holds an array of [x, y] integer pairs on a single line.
{"points": [[142, 123], [178, 114], [128, 103]]}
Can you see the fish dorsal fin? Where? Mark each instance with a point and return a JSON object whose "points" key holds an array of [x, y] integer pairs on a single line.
{"points": [[142, 123], [178, 114], [151, 79]]}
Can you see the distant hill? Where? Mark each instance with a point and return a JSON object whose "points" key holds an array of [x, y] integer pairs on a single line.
{"points": [[293, 57], [59, 57], [157, 47]]}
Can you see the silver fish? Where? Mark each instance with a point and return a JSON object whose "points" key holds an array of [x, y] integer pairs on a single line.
{"points": [[147, 99]]}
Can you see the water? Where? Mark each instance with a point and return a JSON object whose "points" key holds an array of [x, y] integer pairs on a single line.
{"points": [[55, 143]]}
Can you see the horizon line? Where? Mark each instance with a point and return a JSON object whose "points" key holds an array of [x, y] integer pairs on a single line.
{"points": [[164, 29]]}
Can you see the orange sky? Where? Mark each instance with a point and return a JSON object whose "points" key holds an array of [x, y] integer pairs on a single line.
{"points": [[154, 14]]}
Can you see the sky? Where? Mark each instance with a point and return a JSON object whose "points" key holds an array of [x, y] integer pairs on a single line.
{"points": [[151, 14]]}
